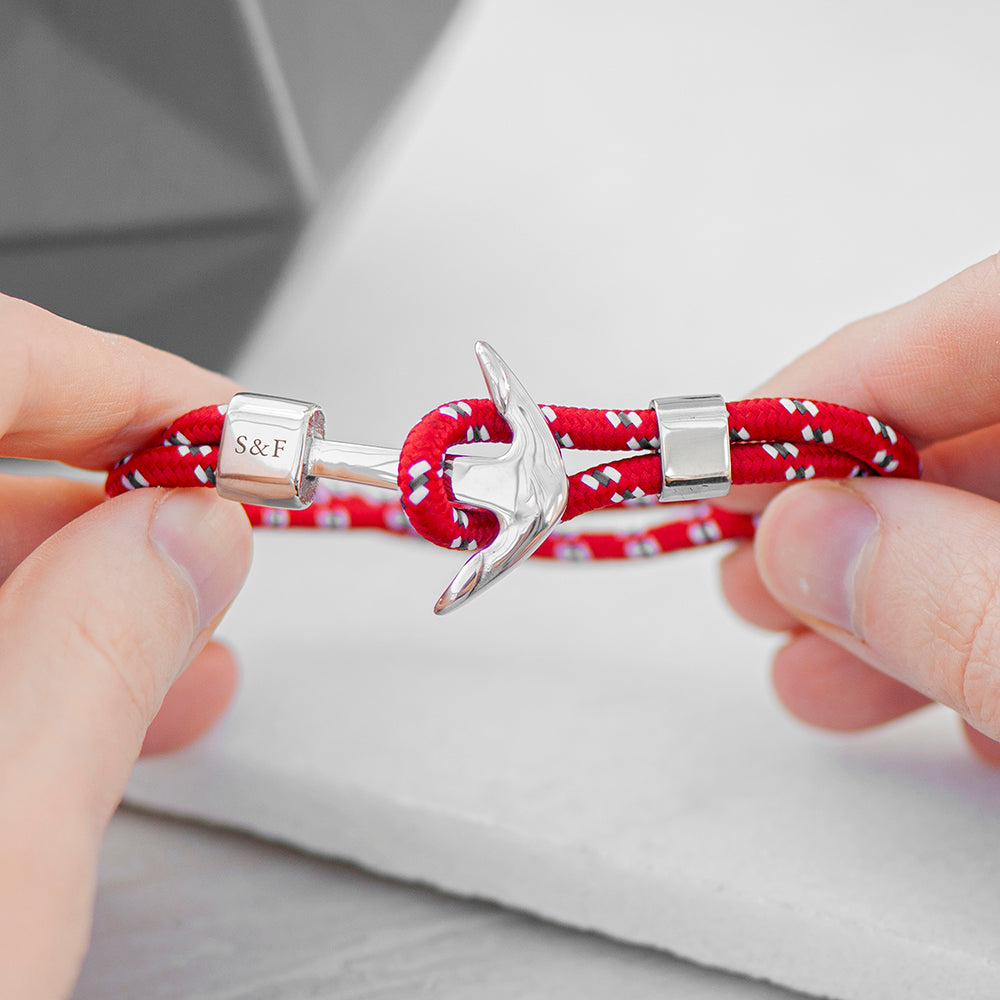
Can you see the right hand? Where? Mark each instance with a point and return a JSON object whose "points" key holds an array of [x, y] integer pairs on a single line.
{"points": [[890, 589]]}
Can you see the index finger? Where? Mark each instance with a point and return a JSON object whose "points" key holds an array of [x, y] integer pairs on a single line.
{"points": [[76, 395], [930, 367]]}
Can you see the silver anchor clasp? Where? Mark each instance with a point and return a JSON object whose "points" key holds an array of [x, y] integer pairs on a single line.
{"points": [[272, 453]]}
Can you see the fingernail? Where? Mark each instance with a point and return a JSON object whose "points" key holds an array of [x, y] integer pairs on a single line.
{"points": [[207, 539], [811, 551]]}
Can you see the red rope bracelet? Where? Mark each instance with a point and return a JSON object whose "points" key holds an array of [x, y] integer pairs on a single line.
{"points": [[772, 441]]}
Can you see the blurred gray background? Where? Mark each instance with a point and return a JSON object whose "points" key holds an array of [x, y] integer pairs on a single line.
{"points": [[158, 161]]}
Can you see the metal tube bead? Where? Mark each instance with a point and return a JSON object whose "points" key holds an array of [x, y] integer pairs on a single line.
{"points": [[694, 447]]}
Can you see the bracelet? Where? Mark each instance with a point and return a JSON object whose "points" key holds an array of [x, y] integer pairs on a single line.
{"points": [[270, 454]]}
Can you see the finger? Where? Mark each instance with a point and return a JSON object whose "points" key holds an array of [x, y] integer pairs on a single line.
{"points": [[911, 365], [903, 575], [86, 398], [35, 507], [826, 686], [958, 463], [99, 620], [908, 366], [197, 700], [965, 462], [97, 623], [746, 593], [985, 749]]}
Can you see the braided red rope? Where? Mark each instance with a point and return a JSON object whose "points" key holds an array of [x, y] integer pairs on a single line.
{"points": [[772, 441]]}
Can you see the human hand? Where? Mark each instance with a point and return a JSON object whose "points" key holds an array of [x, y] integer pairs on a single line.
{"points": [[102, 607], [891, 588]]}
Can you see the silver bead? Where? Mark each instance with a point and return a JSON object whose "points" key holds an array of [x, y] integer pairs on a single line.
{"points": [[694, 447]]}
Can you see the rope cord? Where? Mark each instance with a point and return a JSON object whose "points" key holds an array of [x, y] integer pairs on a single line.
{"points": [[771, 441]]}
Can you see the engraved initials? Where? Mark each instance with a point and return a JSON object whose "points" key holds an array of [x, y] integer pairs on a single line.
{"points": [[271, 449]]}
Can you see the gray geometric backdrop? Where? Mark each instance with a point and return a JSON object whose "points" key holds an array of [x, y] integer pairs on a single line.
{"points": [[158, 161]]}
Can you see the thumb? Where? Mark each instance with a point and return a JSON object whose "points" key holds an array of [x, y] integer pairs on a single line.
{"points": [[903, 575], [97, 623]]}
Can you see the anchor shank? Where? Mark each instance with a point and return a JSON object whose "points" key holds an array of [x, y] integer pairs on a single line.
{"points": [[366, 465]]}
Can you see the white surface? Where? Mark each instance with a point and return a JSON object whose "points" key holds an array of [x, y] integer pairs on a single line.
{"points": [[628, 200], [210, 915]]}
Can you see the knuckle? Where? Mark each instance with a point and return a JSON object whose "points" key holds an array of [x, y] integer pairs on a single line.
{"points": [[15, 358], [117, 654], [967, 633]]}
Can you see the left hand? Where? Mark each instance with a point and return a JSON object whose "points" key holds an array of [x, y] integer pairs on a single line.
{"points": [[105, 607]]}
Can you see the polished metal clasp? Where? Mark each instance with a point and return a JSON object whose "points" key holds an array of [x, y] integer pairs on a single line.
{"points": [[273, 451], [694, 447]]}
